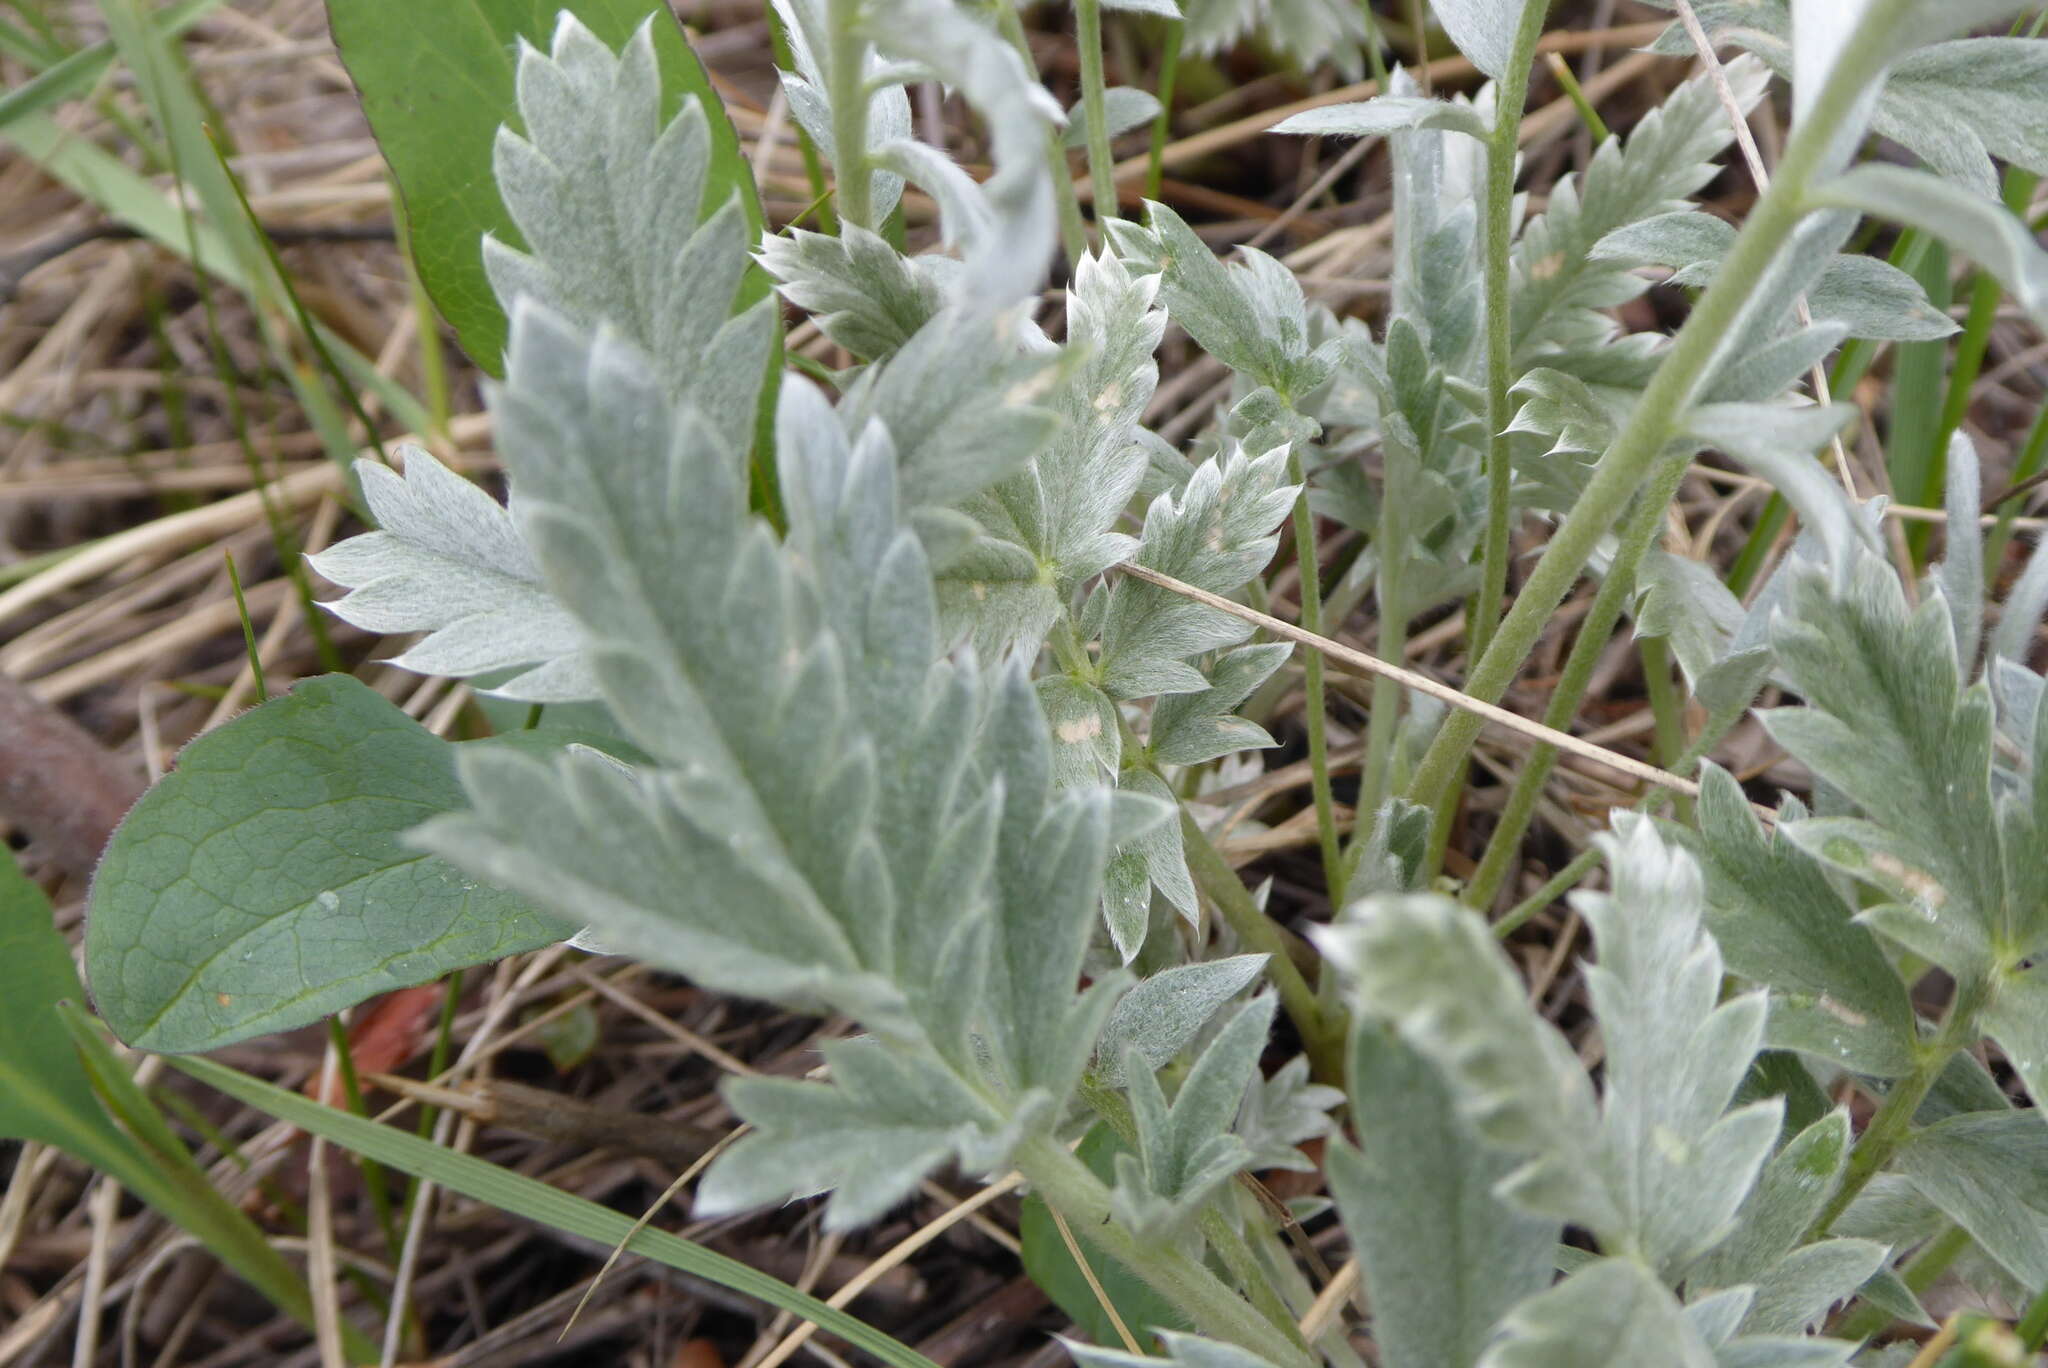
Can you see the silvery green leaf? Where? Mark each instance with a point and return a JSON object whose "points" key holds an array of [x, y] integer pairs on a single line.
{"points": [[1430, 967], [1194, 728], [1774, 368], [1988, 1172], [1678, 1161], [1165, 9], [1800, 1288], [1888, 724], [1875, 299], [1612, 1311], [961, 400], [889, 826], [1087, 742], [1780, 923], [1310, 33], [1766, 315], [1216, 534], [1283, 1112], [1394, 858], [993, 595], [1961, 572], [863, 293], [1183, 1351], [2018, 1021], [1185, 1150], [1560, 288], [1685, 603], [1690, 242], [1156, 859], [2020, 619], [1444, 1258], [869, 1136], [1387, 114], [1059, 512], [447, 561], [1790, 1193], [1124, 107], [598, 188], [1250, 315], [1484, 30], [1162, 1014], [1973, 223], [808, 25], [945, 42]]}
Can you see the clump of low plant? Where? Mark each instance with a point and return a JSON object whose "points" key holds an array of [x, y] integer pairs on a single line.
{"points": [[887, 692]]}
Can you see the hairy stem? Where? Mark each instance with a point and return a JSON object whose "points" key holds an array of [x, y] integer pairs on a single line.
{"points": [[1664, 404], [1095, 107], [1314, 706], [1594, 633], [1322, 1037], [1070, 1188], [846, 71], [1511, 96]]}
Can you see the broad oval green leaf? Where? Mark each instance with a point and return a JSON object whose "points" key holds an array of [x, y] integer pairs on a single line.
{"points": [[436, 81], [265, 882]]}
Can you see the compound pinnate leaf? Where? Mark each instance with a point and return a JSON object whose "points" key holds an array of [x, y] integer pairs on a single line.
{"points": [[446, 560], [436, 83], [266, 881]]}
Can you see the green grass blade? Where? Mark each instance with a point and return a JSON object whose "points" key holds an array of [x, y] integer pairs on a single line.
{"points": [[536, 1201], [75, 74]]}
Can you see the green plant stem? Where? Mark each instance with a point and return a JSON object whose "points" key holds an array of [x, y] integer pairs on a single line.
{"points": [[1322, 1037], [1893, 1120], [1071, 1189], [1667, 703], [1314, 701], [1663, 405], [1560, 883], [1511, 96], [1162, 123], [1637, 538], [1095, 107], [1393, 646], [846, 70]]}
